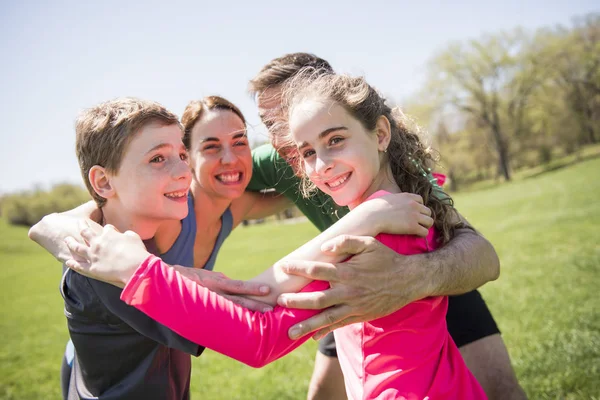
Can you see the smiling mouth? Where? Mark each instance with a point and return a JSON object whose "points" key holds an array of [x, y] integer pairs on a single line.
{"points": [[336, 183], [229, 177], [177, 195]]}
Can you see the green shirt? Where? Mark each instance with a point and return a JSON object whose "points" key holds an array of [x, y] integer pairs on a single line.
{"points": [[270, 171]]}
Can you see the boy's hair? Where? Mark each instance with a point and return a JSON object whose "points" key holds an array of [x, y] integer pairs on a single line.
{"points": [[406, 154], [280, 69], [196, 108], [103, 133]]}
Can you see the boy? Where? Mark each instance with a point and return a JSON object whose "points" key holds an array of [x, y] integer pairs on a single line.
{"points": [[134, 165]]}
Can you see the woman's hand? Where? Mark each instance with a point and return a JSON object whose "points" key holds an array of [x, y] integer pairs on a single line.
{"points": [[107, 254], [400, 214]]}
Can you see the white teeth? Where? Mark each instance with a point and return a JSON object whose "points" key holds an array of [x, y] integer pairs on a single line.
{"points": [[229, 177], [337, 182], [176, 195]]}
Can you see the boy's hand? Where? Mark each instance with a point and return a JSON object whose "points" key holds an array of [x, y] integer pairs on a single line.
{"points": [[400, 214]]}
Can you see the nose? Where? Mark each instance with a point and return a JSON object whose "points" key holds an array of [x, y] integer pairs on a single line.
{"points": [[181, 171], [323, 164], [228, 156]]}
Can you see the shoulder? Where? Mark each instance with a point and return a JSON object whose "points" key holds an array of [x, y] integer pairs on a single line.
{"points": [[408, 244]]}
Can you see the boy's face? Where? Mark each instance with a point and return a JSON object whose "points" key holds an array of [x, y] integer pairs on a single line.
{"points": [[154, 178]]}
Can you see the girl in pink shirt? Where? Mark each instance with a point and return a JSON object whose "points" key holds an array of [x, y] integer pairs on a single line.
{"points": [[353, 147]]}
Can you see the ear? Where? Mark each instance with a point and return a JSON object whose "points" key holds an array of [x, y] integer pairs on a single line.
{"points": [[100, 181], [383, 130]]}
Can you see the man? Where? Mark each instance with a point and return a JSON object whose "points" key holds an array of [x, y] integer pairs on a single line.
{"points": [[377, 281]]}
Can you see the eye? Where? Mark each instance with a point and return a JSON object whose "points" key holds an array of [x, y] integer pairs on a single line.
{"points": [[157, 159], [308, 153], [335, 140], [211, 147], [241, 143]]}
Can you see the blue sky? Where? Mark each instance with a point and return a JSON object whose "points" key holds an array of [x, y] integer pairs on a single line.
{"points": [[60, 57]]}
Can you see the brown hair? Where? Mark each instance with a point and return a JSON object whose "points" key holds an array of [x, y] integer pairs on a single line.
{"points": [[104, 131], [280, 69], [195, 109], [407, 156]]}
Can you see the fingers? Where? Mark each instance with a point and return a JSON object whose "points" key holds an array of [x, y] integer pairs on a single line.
{"points": [[328, 317], [321, 333], [416, 197], [78, 266], [249, 303], [310, 269], [348, 245], [425, 221], [232, 286], [425, 210], [311, 300], [77, 248]]}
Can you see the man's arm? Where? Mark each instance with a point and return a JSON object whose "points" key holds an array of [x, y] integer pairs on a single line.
{"points": [[377, 281]]}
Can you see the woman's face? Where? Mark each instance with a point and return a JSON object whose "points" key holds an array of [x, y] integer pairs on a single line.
{"points": [[220, 155]]}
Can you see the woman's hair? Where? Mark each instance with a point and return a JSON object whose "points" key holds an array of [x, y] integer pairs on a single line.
{"points": [[408, 157], [196, 108]]}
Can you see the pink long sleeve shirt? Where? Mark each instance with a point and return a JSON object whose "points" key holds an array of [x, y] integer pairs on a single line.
{"points": [[406, 355]]}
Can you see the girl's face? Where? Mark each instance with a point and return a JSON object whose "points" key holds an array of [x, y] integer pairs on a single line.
{"points": [[340, 156], [220, 155]]}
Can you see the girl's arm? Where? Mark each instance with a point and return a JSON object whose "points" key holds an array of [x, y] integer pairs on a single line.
{"points": [[208, 319], [401, 213]]}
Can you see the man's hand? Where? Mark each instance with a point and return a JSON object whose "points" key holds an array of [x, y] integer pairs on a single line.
{"points": [[375, 282], [232, 289]]}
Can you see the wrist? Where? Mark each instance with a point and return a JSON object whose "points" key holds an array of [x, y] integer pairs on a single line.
{"points": [[136, 260], [425, 272]]}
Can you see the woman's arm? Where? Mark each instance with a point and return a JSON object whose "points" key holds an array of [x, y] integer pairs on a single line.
{"points": [[51, 231], [255, 205]]}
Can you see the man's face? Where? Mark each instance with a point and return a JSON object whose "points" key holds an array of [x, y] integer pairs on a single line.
{"points": [[270, 112]]}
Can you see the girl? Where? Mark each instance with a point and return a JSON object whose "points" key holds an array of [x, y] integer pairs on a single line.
{"points": [[352, 146]]}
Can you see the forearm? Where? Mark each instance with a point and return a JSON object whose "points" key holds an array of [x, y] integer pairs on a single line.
{"points": [[357, 222], [52, 230], [211, 320], [467, 262]]}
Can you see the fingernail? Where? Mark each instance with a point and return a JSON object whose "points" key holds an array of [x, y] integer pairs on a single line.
{"points": [[264, 289], [281, 300], [267, 309], [317, 336], [327, 247], [294, 333], [283, 265]]}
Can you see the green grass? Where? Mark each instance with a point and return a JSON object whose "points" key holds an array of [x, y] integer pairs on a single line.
{"points": [[546, 302]]}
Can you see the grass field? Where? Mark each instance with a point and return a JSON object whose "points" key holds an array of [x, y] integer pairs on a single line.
{"points": [[545, 229]]}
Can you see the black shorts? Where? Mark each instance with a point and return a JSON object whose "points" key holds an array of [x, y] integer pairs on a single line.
{"points": [[468, 319]]}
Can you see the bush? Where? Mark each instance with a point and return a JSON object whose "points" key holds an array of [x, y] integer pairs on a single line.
{"points": [[27, 208]]}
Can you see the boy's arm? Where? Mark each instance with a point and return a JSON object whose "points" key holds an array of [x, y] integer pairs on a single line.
{"points": [[51, 231], [110, 297], [211, 320]]}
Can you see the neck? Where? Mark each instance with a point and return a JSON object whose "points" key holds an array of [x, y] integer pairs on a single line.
{"points": [[123, 221], [383, 181], [210, 207]]}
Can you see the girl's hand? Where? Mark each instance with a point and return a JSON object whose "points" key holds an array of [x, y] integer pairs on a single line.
{"points": [[106, 254]]}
